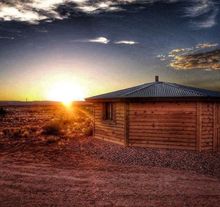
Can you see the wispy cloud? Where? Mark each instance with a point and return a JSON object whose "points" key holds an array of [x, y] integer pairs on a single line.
{"points": [[161, 57], [199, 7], [203, 13], [104, 40], [204, 56], [176, 51], [8, 38], [206, 45], [101, 40], [208, 22], [126, 42], [102, 6]]}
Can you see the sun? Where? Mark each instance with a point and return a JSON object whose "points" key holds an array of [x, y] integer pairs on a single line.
{"points": [[65, 92]]}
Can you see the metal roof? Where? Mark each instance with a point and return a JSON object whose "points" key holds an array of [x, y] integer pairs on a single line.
{"points": [[158, 89]]}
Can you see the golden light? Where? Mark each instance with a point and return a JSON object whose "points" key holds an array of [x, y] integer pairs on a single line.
{"points": [[66, 92]]}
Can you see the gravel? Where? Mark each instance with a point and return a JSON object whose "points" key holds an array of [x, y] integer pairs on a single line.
{"points": [[207, 163]]}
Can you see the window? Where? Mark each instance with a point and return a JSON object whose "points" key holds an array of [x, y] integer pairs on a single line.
{"points": [[108, 111]]}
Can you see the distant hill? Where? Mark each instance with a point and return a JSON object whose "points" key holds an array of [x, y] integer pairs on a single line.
{"points": [[24, 103]]}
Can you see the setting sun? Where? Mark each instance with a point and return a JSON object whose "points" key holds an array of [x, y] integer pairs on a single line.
{"points": [[65, 92]]}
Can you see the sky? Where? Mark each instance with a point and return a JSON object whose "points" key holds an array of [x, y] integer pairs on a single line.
{"points": [[102, 46]]}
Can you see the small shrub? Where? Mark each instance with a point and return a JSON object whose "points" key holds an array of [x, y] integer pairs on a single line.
{"points": [[13, 133], [3, 112], [52, 140], [88, 131], [53, 128], [26, 133], [6, 132], [33, 129]]}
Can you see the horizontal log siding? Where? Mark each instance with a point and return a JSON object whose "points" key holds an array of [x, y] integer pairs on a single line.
{"points": [[207, 126], [163, 125], [217, 127], [108, 130]]}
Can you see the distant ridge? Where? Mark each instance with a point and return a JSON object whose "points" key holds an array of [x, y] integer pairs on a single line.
{"points": [[24, 103]]}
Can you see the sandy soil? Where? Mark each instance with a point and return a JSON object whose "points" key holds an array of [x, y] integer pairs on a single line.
{"points": [[33, 176], [85, 172]]}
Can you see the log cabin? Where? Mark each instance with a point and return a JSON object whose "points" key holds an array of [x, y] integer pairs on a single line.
{"points": [[159, 115]]}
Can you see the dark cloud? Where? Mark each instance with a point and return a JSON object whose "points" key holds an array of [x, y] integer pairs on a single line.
{"points": [[33, 11], [203, 13]]}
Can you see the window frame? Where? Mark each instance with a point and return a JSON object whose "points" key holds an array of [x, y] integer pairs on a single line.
{"points": [[108, 112]]}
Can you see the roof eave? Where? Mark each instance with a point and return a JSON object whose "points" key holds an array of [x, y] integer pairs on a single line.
{"points": [[144, 99]]}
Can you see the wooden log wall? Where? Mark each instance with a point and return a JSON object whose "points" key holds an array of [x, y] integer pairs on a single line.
{"points": [[173, 125], [163, 125], [113, 131], [207, 126], [217, 127]]}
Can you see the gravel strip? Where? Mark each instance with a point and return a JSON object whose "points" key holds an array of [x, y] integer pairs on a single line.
{"points": [[201, 162]]}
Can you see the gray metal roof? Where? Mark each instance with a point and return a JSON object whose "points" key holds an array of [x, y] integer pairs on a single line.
{"points": [[158, 89]]}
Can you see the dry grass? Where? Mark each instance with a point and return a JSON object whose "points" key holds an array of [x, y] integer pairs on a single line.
{"points": [[53, 128], [49, 124]]}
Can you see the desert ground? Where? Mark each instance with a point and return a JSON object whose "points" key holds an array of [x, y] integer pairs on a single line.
{"points": [[49, 158]]}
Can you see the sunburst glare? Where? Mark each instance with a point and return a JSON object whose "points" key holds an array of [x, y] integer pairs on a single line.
{"points": [[65, 92]]}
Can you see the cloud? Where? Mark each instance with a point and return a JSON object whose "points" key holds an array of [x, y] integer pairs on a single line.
{"points": [[8, 38], [34, 11], [176, 51], [102, 40], [207, 61], [161, 57], [31, 11], [203, 12], [126, 42], [206, 45], [101, 6], [210, 21], [199, 7], [203, 56]]}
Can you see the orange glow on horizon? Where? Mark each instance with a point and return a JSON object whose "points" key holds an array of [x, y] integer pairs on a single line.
{"points": [[65, 91]]}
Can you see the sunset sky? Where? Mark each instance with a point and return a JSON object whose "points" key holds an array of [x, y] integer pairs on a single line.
{"points": [[101, 46]]}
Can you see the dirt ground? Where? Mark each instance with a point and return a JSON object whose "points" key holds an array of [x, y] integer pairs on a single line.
{"points": [[82, 171]]}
